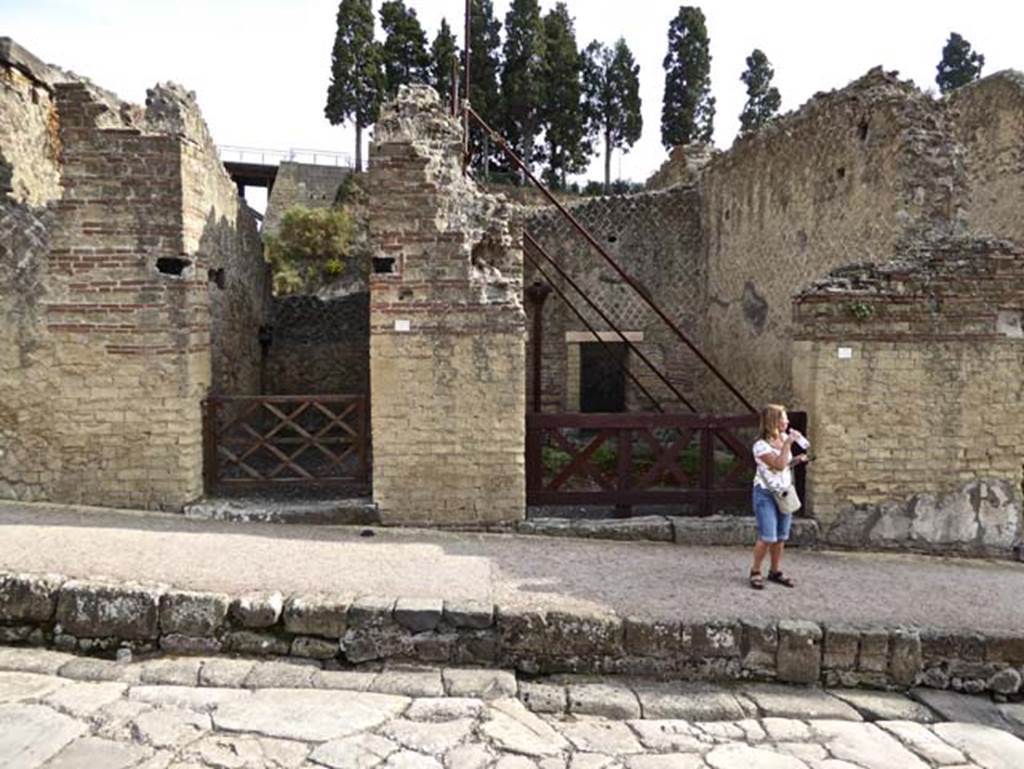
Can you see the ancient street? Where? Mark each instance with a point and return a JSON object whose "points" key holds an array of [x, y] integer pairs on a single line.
{"points": [[62, 712]]}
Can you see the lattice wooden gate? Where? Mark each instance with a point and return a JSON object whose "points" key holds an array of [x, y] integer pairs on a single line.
{"points": [[266, 441]]}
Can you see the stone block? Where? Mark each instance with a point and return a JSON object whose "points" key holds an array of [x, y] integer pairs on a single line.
{"points": [[469, 614], [319, 615], [369, 611], [938, 645], [1006, 681], [250, 642], [418, 614], [479, 683], [606, 700], [710, 640], [430, 647], [905, 657], [28, 597], [799, 658], [315, 648], [578, 635], [177, 643], [521, 629], [98, 610], [759, 645], [873, 656], [841, 645], [192, 613], [1004, 647], [651, 638], [542, 697], [257, 609]]}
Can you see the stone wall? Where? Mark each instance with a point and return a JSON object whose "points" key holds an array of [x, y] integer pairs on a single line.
{"points": [[657, 239], [105, 349], [302, 184], [911, 372], [319, 346], [989, 118], [447, 330], [839, 181]]}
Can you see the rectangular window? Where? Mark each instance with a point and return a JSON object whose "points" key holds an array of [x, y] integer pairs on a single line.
{"points": [[603, 377]]}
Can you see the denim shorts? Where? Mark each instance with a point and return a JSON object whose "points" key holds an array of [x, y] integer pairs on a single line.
{"points": [[772, 525]]}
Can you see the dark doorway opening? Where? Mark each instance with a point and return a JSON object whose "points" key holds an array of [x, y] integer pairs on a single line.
{"points": [[603, 377]]}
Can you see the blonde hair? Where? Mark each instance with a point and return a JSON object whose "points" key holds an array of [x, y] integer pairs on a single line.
{"points": [[771, 418]]}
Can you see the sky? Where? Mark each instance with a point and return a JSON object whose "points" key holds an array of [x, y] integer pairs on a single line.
{"points": [[260, 68]]}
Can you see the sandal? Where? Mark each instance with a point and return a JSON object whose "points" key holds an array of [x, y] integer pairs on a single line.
{"points": [[756, 580], [780, 578]]}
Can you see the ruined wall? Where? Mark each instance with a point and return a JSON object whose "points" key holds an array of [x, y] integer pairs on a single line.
{"points": [[839, 181], [221, 238], [657, 239], [911, 372], [105, 345], [989, 120], [319, 346], [447, 335], [302, 184]]}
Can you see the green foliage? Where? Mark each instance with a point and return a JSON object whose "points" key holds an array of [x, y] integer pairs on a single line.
{"points": [[606, 459], [861, 311], [763, 99], [357, 79], [688, 108], [566, 149], [522, 78], [611, 87], [960, 64], [404, 52], [485, 64], [444, 54], [309, 245]]}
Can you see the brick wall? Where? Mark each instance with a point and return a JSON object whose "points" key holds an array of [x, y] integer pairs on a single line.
{"points": [[447, 394], [911, 372], [105, 354], [302, 184]]}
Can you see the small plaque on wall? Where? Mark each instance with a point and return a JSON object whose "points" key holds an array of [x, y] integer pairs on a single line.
{"points": [[844, 353], [402, 325]]}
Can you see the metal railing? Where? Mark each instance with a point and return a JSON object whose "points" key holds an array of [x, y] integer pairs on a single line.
{"points": [[271, 157]]}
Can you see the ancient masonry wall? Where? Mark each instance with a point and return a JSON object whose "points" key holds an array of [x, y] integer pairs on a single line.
{"points": [[840, 181], [657, 239], [105, 349], [319, 346], [912, 372], [302, 184], [447, 328], [989, 119]]}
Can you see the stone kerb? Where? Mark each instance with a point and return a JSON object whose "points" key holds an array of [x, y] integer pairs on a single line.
{"points": [[102, 618]]}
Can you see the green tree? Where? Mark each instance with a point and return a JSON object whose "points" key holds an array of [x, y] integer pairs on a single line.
{"points": [[960, 64], [611, 85], [688, 109], [405, 47], [309, 247], [522, 77], [566, 148], [763, 99], [357, 80], [444, 60], [485, 64]]}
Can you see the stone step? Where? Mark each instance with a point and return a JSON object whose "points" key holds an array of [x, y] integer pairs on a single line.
{"points": [[346, 511]]}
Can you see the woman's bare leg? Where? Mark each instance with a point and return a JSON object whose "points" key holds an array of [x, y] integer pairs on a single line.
{"points": [[760, 550], [775, 549]]}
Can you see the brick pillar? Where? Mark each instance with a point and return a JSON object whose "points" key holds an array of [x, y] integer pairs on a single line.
{"points": [[447, 328]]}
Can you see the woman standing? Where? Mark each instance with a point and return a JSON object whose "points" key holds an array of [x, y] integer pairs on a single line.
{"points": [[773, 457]]}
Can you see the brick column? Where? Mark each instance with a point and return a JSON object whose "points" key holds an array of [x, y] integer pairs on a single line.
{"points": [[447, 328]]}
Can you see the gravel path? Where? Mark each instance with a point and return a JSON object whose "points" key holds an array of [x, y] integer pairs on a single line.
{"points": [[644, 579]]}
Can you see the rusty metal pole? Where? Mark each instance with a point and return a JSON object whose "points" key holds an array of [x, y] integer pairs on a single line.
{"points": [[537, 293], [465, 91]]}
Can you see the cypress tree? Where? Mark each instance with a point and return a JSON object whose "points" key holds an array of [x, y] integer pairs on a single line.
{"points": [[611, 84], [763, 99], [444, 61], [960, 64], [567, 149], [522, 77], [485, 64], [688, 109], [405, 47], [357, 80]]}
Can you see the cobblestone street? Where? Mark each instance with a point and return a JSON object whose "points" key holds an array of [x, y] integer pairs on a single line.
{"points": [[64, 712]]}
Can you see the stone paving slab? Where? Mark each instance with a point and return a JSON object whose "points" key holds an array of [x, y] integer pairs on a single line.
{"points": [[154, 726]]}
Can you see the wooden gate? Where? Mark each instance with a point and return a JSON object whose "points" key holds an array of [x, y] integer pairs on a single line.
{"points": [[263, 441], [698, 464]]}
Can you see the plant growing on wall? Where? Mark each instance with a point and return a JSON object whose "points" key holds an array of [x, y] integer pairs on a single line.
{"points": [[309, 247], [611, 86], [688, 108], [960, 64], [763, 99]]}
